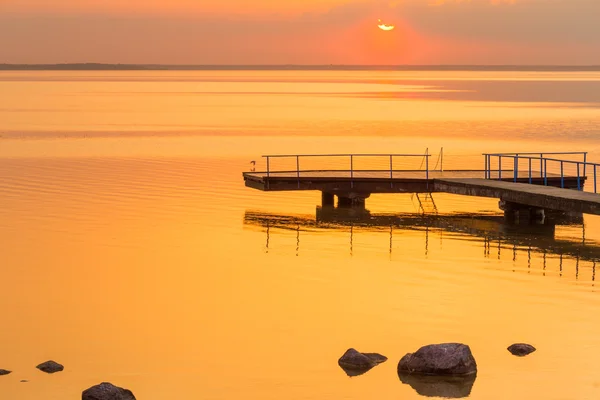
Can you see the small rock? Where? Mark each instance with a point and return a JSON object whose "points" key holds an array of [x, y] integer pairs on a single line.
{"points": [[439, 359], [23, 380], [357, 363], [50, 367], [4, 372], [107, 391], [376, 357], [521, 349]]}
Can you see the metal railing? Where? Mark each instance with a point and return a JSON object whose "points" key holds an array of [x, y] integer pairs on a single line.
{"points": [[349, 161], [552, 167]]}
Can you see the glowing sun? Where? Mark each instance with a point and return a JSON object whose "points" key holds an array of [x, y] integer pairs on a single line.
{"points": [[385, 27]]}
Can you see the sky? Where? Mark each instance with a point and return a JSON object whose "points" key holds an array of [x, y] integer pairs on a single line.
{"points": [[245, 32]]}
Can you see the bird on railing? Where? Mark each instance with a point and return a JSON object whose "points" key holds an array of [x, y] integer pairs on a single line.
{"points": [[253, 165]]}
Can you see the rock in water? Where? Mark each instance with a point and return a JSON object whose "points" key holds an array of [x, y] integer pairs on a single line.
{"points": [[4, 372], [355, 362], [353, 359], [376, 357], [50, 367], [107, 391], [521, 349], [439, 359]]}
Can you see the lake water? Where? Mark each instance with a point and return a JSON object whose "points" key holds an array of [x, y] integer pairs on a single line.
{"points": [[133, 253]]}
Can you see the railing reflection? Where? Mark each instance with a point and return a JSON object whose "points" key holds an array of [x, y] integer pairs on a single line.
{"points": [[497, 234]]}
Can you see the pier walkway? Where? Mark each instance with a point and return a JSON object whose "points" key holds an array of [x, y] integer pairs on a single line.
{"points": [[558, 184]]}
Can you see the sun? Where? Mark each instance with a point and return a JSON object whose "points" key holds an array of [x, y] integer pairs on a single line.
{"points": [[385, 27]]}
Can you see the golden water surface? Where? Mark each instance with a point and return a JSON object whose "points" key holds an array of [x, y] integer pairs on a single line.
{"points": [[132, 252]]}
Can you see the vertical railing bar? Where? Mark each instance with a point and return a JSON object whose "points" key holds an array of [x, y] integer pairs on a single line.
{"points": [[545, 172], [584, 162], [578, 179], [298, 169], [595, 191], [351, 171], [516, 168], [541, 165], [499, 168], [268, 174], [427, 166], [391, 171], [268, 168], [562, 175], [530, 180], [485, 164]]}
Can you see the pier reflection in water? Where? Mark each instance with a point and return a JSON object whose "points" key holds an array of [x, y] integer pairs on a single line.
{"points": [[501, 236]]}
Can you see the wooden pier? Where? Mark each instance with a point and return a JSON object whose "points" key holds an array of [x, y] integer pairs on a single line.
{"points": [[557, 185]]}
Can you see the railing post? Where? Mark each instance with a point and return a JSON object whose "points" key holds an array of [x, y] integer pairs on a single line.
{"points": [[595, 191], [351, 171], [499, 168], [268, 174], [530, 181], [516, 168], [298, 169], [541, 165], [562, 175], [391, 171], [578, 179], [545, 172], [268, 170], [427, 166], [584, 162], [485, 166]]}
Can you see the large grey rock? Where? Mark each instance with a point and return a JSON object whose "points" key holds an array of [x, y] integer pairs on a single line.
{"points": [[521, 349], [449, 387], [107, 391], [4, 372], [439, 359], [50, 367], [356, 363]]}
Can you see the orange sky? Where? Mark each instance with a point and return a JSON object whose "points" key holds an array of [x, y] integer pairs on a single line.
{"points": [[300, 31]]}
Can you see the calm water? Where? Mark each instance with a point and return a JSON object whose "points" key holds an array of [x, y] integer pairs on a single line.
{"points": [[132, 252]]}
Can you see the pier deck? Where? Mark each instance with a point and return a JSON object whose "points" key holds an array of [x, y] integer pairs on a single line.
{"points": [[556, 188]]}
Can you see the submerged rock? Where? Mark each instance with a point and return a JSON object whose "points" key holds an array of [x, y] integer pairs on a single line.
{"points": [[439, 359], [521, 349], [449, 387], [4, 372], [50, 367], [107, 391], [357, 363]]}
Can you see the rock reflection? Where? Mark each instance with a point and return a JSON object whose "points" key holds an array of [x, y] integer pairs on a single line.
{"points": [[355, 372], [450, 387]]}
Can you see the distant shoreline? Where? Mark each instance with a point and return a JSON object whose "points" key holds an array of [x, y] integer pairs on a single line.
{"points": [[158, 67]]}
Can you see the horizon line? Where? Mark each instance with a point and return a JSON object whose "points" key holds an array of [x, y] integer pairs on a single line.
{"points": [[150, 66]]}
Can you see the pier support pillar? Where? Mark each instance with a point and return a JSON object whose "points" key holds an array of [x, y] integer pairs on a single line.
{"points": [[327, 199], [344, 202], [357, 200], [521, 213]]}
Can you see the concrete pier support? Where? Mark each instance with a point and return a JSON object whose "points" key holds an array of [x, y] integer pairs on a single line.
{"points": [[327, 199], [344, 202], [357, 200], [521, 213]]}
